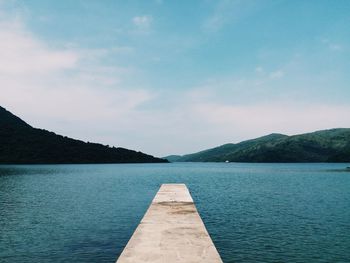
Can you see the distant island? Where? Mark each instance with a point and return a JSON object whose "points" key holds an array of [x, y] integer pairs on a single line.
{"points": [[20, 143], [320, 146]]}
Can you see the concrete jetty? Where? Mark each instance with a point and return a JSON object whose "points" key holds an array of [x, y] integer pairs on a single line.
{"points": [[171, 231]]}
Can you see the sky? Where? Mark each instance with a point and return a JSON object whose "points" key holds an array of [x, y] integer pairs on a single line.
{"points": [[175, 77]]}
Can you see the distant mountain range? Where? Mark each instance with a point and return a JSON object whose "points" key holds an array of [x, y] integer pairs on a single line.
{"points": [[20, 143], [320, 146]]}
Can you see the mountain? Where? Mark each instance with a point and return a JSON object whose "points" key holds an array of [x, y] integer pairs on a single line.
{"points": [[320, 146], [20, 143], [172, 158]]}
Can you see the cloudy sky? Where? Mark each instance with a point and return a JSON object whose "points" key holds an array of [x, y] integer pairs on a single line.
{"points": [[173, 77]]}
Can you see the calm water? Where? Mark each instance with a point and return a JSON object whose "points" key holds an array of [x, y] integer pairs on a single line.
{"points": [[253, 212]]}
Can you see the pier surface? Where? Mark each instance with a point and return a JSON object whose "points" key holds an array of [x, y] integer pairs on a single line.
{"points": [[171, 231]]}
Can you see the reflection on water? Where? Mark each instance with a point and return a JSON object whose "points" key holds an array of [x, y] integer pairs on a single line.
{"points": [[254, 212]]}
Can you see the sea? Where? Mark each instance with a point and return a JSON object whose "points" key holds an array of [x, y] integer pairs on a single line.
{"points": [[253, 212]]}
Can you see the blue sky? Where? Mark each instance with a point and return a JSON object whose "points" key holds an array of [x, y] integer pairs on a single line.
{"points": [[174, 77]]}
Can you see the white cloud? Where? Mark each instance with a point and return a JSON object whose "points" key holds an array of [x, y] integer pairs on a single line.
{"points": [[335, 47], [259, 70], [196, 123], [234, 123], [228, 12], [48, 87], [143, 22], [281, 116], [276, 74], [332, 45], [20, 53]]}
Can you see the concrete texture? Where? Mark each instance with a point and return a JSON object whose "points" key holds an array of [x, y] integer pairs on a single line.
{"points": [[171, 231]]}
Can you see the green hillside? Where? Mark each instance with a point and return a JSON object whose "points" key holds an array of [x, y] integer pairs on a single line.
{"points": [[172, 158], [321, 146], [22, 144]]}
